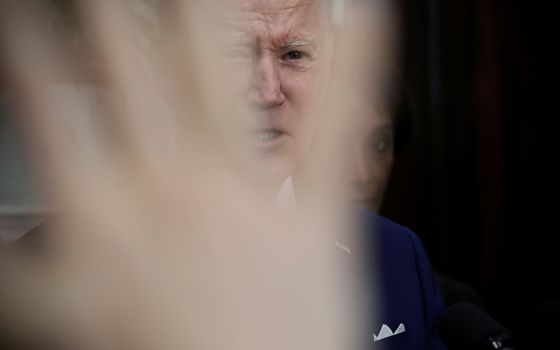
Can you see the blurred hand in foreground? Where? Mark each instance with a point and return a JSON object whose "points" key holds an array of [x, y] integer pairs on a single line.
{"points": [[168, 130]]}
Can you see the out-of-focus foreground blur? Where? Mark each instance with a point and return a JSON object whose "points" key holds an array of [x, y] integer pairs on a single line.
{"points": [[156, 147]]}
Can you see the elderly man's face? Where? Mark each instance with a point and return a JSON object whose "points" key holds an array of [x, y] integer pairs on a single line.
{"points": [[278, 51]]}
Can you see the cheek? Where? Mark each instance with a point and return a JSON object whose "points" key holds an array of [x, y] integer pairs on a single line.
{"points": [[299, 87], [302, 91], [381, 169]]}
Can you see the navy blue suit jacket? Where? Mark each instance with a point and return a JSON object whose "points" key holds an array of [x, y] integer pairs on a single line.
{"points": [[400, 279]]}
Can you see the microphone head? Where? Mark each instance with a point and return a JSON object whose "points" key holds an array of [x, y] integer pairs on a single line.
{"points": [[466, 327]]}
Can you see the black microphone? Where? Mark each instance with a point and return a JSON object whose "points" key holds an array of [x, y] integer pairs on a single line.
{"points": [[466, 327]]}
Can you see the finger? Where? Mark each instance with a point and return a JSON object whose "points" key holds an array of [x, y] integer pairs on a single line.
{"points": [[225, 116], [141, 118], [328, 212], [43, 75], [171, 102], [40, 73]]}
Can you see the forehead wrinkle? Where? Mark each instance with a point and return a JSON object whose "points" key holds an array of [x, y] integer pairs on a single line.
{"points": [[289, 26], [268, 12], [280, 25], [271, 7]]}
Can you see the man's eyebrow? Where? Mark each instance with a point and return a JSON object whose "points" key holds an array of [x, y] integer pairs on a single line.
{"points": [[297, 43]]}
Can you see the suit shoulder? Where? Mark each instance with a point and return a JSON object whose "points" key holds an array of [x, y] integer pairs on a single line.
{"points": [[387, 233]]}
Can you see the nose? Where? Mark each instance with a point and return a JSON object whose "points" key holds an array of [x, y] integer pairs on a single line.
{"points": [[266, 90]]}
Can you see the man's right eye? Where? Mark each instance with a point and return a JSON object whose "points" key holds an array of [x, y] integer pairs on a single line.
{"points": [[293, 55]]}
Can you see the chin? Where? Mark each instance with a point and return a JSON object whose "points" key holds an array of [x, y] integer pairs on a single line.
{"points": [[277, 168]]}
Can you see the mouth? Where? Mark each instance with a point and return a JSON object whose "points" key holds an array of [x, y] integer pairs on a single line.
{"points": [[268, 137]]}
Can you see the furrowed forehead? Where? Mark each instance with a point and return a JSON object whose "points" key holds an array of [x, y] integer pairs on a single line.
{"points": [[272, 6], [282, 20], [274, 11]]}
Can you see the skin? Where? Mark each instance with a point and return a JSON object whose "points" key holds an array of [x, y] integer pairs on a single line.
{"points": [[167, 256], [373, 157], [278, 51]]}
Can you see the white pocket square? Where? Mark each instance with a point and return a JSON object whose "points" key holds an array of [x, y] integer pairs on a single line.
{"points": [[386, 332]]}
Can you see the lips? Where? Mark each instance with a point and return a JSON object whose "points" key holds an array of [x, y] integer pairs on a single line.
{"points": [[268, 140], [266, 135], [268, 132]]}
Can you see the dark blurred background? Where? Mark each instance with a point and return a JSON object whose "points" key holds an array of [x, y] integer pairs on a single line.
{"points": [[479, 181]]}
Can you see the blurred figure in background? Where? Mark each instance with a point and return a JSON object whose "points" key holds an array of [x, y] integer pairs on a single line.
{"points": [[384, 133], [383, 129], [384, 121]]}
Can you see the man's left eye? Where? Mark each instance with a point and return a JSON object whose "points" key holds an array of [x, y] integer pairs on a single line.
{"points": [[293, 55]]}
